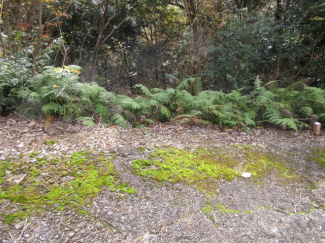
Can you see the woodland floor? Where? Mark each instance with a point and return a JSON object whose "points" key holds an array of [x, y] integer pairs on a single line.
{"points": [[275, 210]]}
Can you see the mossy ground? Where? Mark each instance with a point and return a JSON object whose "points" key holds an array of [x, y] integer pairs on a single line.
{"points": [[320, 158], [204, 166], [70, 181]]}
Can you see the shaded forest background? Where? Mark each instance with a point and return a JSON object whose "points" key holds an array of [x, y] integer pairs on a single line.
{"points": [[164, 46]]}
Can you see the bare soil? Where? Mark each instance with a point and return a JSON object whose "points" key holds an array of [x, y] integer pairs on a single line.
{"points": [[272, 211]]}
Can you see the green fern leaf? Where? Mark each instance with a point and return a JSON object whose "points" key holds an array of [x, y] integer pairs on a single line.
{"points": [[120, 120], [130, 104], [50, 108], [102, 110], [144, 90], [86, 120], [165, 111], [306, 111]]}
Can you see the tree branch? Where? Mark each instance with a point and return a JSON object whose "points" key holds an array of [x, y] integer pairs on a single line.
{"points": [[113, 30]]}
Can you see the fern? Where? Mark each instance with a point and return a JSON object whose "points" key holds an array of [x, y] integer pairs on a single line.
{"points": [[87, 121], [306, 110], [102, 111], [144, 90], [130, 104], [51, 108], [120, 120]]}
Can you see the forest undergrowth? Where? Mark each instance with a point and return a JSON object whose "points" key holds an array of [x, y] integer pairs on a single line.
{"points": [[58, 92]]}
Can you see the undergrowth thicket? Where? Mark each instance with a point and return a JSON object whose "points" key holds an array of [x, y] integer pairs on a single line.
{"points": [[58, 92]]}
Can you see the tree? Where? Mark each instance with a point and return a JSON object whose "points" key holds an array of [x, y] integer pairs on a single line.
{"points": [[105, 23]]}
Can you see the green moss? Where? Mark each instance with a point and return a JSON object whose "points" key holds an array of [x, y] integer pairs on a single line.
{"points": [[17, 215], [49, 142], [207, 209], [175, 165], [320, 158], [262, 164], [202, 167], [71, 181], [222, 208], [142, 149], [32, 154]]}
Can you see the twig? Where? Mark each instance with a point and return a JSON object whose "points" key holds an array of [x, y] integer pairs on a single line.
{"points": [[39, 181], [22, 232], [22, 116]]}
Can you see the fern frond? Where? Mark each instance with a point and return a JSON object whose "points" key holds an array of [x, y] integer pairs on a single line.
{"points": [[86, 120], [257, 83], [165, 111], [248, 121], [149, 121], [321, 116], [162, 97], [306, 111], [102, 111], [287, 122], [144, 89], [120, 120], [50, 108], [185, 83], [130, 104]]}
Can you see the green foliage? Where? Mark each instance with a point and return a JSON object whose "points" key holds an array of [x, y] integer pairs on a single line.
{"points": [[278, 106], [59, 92], [14, 77]]}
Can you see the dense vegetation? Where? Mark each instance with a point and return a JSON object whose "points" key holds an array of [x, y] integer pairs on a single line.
{"points": [[232, 63]]}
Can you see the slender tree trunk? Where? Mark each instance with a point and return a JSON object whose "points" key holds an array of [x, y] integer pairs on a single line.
{"points": [[191, 12], [94, 61], [18, 17], [3, 46], [40, 34], [100, 41]]}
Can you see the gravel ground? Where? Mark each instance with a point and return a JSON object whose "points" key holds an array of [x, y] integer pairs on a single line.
{"points": [[272, 211]]}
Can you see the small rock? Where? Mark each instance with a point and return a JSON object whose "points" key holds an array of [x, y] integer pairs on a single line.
{"points": [[82, 224], [71, 234], [132, 217], [19, 225], [109, 213], [26, 236]]}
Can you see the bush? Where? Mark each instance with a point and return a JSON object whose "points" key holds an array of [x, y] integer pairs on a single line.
{"points": [[14, 77]]}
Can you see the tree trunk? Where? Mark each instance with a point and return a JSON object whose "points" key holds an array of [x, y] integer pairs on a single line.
{"points": [[40, 34], [3, 45]]}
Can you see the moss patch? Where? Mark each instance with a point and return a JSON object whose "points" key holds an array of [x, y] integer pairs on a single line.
{"points": [[72, 181], [320, 158], [49, 142], [202, 167], [222, 208]]}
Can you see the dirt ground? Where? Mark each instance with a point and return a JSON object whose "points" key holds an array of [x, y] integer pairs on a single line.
{"points": [[272, 211]]}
